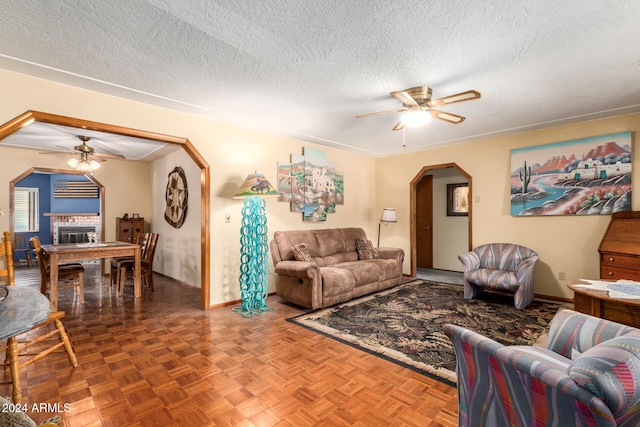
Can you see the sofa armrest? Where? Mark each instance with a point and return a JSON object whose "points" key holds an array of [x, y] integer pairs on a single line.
{"points": [[307, 270], [611, 371], [496, 381], [391, 253], [571, 333], [470, 260]]}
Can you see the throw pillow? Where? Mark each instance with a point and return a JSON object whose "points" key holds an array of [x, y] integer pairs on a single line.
{"points": [[366, 250], [301, 253]]}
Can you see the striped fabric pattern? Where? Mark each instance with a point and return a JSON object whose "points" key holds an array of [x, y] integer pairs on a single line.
{"points": [[500, 266], [519, 386]]}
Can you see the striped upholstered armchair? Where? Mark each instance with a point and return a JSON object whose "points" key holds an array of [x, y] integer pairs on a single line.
{"points": [[587, 375], [500, 266]]}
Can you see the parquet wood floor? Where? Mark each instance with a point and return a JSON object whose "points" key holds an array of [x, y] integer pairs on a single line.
{"points": [[161, 361]]}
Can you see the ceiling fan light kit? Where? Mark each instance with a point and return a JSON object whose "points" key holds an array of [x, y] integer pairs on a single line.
{"points": [[415, 118], [83, 164], [418, 107]]}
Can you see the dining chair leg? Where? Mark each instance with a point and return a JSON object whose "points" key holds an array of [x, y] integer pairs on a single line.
{"points": [[81, 287], [121, 278], [67, 343], [14, 367]]}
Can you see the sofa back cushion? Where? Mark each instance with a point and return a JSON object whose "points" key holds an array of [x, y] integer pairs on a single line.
{"points": [[572, 333], [326, 247], [502, 256]]}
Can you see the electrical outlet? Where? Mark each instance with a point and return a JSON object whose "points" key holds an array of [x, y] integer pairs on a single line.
{"points": [[561, 275], [227, 218]]}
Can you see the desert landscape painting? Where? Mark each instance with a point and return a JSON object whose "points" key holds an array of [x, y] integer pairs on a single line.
{"points": [[589, 176]]}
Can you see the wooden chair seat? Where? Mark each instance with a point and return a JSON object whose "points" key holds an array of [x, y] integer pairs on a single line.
{"points": [[14, 349]]}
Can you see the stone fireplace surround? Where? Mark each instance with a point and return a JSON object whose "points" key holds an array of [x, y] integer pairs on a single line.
{"points": [[72, 227]]}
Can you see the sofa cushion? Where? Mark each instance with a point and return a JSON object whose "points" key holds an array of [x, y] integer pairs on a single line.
{"points": [[329, 242], [364, 272], [336, 281], [549, 357], [496, 278], [284, 241], [340, 258], [610, 371], [365, 249], [301, 253]]}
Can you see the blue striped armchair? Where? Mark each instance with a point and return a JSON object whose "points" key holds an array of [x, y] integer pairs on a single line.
{"points": [[587, 375], [500, 266]]}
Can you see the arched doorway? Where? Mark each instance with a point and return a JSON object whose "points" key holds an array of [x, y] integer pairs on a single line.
{"points": [[422, 205], [34, 116]]}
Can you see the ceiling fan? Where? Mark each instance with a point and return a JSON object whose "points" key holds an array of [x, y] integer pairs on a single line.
{"points": [[419, 107], [88, 160]]}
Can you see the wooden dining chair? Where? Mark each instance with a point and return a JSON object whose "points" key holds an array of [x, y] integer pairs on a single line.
{"points": [[21, 244], [15, 349], [141, 239], [146, 263], [70, 275]]}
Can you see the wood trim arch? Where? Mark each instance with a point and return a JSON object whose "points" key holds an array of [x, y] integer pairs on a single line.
{"points": [[30, 116], [412, 206]]}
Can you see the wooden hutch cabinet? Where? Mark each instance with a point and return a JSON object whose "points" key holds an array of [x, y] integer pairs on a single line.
{"points": [[620, 247], [127, 228]]}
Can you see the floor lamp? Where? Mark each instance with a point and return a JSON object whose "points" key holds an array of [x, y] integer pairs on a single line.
{"points": [[388, 215], [254, 248]]}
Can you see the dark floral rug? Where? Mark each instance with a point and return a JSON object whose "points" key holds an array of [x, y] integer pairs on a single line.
{"points": [[404, 324]]}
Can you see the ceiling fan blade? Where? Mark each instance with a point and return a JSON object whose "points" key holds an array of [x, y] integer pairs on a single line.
{"points": [[107, 156], [379, 113], [398, 126], [447, 117], [404, 97], [451, 99]]}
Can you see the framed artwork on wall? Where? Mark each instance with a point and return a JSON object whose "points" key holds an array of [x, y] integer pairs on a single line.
{"points": [[458, 199], [588, 176]]}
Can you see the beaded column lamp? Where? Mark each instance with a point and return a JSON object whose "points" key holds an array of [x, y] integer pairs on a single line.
{"points": [[254, 247]]}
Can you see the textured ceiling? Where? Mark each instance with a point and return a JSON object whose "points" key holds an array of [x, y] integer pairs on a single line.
{"points": [[306, 68]]}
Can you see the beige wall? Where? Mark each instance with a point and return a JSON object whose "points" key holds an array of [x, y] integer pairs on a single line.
{"points": [[177, 251], [232, 153], [566, 244]]}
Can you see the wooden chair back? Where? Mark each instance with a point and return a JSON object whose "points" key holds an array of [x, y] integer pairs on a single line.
{"points": [[21, 244], [6, 251]]}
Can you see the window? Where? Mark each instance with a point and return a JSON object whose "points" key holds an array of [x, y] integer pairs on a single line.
{"points": [[26, 211]]}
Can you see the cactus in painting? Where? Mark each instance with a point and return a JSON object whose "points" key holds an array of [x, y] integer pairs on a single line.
{"points": [[525, 177]]}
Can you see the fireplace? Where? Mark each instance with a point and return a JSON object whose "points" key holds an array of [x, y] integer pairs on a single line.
{"points": [[74, 232]]}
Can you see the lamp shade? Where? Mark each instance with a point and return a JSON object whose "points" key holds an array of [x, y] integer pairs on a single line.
{"points": [[388, 215], [415, 118], [256, 184]]}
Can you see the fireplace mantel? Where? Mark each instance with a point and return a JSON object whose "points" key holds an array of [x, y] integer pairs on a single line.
{"points": [[71, 214]]}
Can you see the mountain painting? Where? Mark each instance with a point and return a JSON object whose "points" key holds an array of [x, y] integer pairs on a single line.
{"points": [[590, 176]]}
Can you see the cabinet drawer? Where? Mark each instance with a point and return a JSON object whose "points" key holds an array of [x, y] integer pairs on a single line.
{"points": [[618, 260], [614, 273]]}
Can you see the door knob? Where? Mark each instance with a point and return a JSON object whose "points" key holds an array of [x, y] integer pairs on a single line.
{"points": [[427, 228]]}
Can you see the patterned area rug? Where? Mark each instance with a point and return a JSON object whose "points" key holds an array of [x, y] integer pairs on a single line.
{"points": [[404, 324]]}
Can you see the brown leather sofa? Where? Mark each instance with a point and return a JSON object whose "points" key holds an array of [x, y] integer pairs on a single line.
{"points": [[336, 270]]}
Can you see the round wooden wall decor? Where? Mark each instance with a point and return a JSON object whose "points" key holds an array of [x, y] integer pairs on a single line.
{"points": [[177, 196]]}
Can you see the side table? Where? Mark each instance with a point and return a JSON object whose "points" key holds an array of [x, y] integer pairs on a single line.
{"points": [[598, 303]]}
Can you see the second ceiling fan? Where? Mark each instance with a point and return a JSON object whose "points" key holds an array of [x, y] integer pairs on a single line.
{"points": [[419, 107]]}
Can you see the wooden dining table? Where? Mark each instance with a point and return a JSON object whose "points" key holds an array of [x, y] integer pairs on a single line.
{"points": [[83, 251]]}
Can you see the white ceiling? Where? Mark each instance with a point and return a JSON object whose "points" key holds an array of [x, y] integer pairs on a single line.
{"points": [[306, 68]]}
